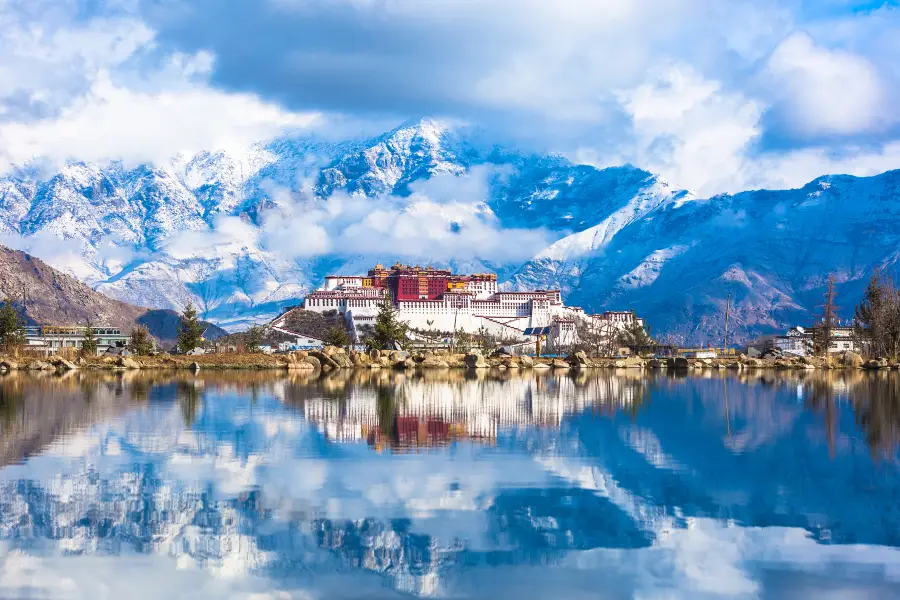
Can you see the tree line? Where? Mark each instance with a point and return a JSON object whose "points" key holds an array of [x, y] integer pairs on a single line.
{"points": [[876, 322]]}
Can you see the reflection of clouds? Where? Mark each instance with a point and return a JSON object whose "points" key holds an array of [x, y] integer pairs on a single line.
{"points": [[253, 493]]}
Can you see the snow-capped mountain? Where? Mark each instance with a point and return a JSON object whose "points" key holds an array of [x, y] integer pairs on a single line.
{"points": [[245, 234], [771, 250]]}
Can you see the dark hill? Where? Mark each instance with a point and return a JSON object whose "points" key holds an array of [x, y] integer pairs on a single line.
{"points": [[46, 296]]}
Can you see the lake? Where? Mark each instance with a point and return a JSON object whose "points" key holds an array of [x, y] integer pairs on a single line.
{"points": [[450, 484]]}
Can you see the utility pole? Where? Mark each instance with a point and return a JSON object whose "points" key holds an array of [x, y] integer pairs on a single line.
{"points": [[727, 311]]}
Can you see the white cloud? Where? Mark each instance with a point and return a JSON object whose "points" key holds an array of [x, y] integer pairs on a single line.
{"points": [[112, 123], [142, 81], [686, 128], [84, 89], [445, 218], [825, 91], [697, 134], [229, 236]]}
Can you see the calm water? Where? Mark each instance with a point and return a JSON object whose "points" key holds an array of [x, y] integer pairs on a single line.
{"points": [[382, 485]]}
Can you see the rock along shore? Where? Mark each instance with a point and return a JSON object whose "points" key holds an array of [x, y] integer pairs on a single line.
{"points": [[331, 358]]}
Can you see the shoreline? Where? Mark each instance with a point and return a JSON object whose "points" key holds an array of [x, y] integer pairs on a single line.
{"points": [[331, 359]]}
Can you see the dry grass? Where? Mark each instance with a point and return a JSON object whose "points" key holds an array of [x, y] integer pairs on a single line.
{"points": [[206, 361]]}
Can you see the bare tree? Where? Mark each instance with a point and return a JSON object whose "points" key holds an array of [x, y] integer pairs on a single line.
{"points": [[597, 337], [823, 332]]}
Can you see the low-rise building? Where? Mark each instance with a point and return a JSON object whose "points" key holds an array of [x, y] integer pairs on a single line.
{"points": [[798, 341], [51, 339]]}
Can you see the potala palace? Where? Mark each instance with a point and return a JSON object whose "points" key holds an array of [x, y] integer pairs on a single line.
{"points": [[439, 300]]}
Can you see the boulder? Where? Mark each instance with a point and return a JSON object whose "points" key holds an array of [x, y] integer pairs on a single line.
{"points": [[40, 365], [541, 365], [128, 363], [398, 355], [678, 363], [342, 359], [655, 363], [62, 364], [8, 365], [578, 359], [876, 363], [300, 366], [632, 362], [752, 363], [404, 363], [433, 362], [851, 359], [511, 363], [325, 361], [312, 361], [526, 361], [734, 366], [475, 361], [360, 359], [560, 364], [195, 367]]}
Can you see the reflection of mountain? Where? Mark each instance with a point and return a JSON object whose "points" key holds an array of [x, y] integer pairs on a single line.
{"points": [[254, 485], [33, 415]]}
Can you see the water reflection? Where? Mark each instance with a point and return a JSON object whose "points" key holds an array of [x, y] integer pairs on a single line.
{"points": [[461, 484]]}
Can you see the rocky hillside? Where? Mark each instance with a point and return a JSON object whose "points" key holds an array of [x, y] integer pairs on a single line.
{"points": [[48, 296]]}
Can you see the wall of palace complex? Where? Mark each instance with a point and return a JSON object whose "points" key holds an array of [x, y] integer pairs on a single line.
{"points": [[438, 300]]}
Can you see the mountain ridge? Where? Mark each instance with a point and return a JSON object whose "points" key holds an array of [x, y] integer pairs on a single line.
{"points": [[154, 234]]}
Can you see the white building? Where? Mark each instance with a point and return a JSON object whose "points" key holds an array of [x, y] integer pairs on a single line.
{"points": [[52, 339], [438, 301], [799, 341]]}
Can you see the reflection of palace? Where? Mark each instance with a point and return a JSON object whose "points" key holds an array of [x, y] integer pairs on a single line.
{"points": [[421, 413]]}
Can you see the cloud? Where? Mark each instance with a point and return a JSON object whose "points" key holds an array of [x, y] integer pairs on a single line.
{"points": [[229, 236], [115, 123], [698, 134], [75, 87], [751, 82], [822, 91], [552, 60], [445, 218], [688, 128]]}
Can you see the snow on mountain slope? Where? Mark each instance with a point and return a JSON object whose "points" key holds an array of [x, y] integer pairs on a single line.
{"points": [[194, 229], [389, 163], [566, 260], [772, 250]]}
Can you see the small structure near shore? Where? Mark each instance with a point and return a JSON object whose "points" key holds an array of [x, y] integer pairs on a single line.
{"points": [[52, 339]]}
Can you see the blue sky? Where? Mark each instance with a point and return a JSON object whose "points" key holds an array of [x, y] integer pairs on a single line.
{"points": [[714, 95]]}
